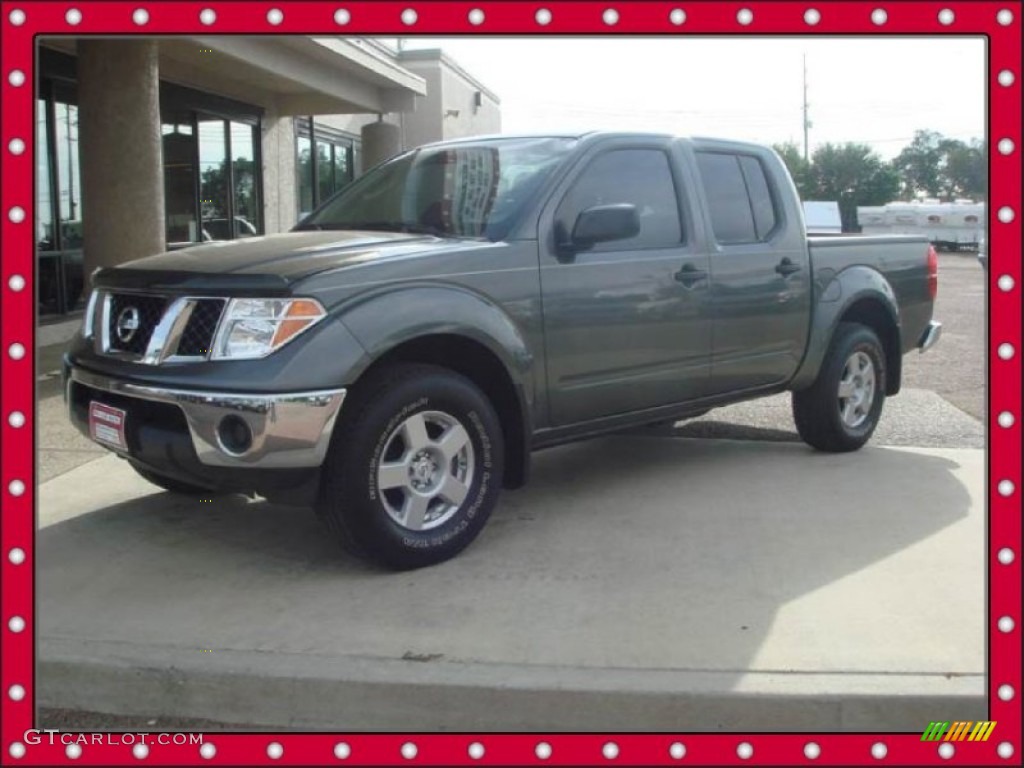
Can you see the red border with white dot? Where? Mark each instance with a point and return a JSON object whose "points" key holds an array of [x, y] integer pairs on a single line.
{"points": [[999, 21]]}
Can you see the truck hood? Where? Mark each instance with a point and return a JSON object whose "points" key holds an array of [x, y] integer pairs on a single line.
{"points": [[292, 256], [267, 265]]}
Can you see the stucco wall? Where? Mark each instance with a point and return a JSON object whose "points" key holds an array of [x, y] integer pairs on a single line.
{"points": [[278, 145], [425, 124], [459, 95]]}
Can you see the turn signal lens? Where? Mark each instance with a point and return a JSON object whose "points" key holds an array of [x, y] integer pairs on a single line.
{"points": [[298, 317]]}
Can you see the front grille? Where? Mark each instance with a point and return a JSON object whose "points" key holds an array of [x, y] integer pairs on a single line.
{"points": [[197, 338], [148, 311]]}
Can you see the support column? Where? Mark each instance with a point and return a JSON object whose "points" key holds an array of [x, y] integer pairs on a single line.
{"points": [[119, 132], [380, 141]]}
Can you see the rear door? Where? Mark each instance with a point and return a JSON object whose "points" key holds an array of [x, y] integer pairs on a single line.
{"points": [[760, 270], [626, 322]]}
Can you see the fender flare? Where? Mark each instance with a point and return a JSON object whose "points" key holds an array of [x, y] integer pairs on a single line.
{"points": [[839, 292], [392, 315]]}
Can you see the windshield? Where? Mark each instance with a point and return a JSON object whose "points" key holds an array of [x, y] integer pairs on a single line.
{"points": [[463, 190]]}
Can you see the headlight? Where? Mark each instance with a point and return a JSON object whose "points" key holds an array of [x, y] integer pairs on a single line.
{"points": [[254, 328], [89, 318]]}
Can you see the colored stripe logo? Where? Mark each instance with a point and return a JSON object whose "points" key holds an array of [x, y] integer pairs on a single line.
{"points": [[960, 730]]}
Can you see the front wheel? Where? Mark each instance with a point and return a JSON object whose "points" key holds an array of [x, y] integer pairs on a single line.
{"points": [[411, 478], [840, 410]]}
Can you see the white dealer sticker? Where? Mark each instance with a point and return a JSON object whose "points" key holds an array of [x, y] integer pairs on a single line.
{"points": [[106, 425]]}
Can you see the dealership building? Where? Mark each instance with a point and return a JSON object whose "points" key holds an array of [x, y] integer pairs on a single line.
{"points": [[144, 145]]}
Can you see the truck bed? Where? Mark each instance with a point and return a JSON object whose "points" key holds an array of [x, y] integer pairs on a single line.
{"points": [[902, 259]]}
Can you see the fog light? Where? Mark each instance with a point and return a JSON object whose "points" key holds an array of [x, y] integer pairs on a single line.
{"points": [[234, 434]]}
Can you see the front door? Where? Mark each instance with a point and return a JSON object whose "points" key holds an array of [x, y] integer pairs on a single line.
{"points": [[626, 322]]}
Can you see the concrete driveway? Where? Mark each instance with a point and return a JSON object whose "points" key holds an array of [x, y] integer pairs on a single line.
{"points": [[638, 583]]}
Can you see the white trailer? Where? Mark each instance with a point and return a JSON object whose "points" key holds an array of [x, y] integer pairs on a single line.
{"points": [[955, 226], [822, 217]]}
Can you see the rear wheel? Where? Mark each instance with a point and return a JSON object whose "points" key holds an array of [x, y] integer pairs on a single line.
{"points": [[840, 410], [413, 475]]}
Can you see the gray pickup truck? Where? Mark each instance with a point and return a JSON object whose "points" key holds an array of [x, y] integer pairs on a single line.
{"points": [[394, 360]]}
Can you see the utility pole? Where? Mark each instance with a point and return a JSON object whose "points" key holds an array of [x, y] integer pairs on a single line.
{"points": [[807, 120]]}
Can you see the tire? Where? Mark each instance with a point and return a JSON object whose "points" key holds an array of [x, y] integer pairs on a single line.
{"points": [[824, 418], [172, 485], [391, 489]]}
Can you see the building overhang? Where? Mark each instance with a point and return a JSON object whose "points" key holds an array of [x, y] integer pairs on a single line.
{"points": [[293, 75]]}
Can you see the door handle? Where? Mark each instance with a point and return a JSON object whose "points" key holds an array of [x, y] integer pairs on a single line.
{"points": [[786, 267], [689, 275]]}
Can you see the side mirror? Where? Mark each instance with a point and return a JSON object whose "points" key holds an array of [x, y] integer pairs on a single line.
{"points": [[604, 223]]}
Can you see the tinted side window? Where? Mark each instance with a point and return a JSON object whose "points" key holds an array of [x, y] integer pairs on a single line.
{"points": [[760, 195], [641, 177], [726, 192]]}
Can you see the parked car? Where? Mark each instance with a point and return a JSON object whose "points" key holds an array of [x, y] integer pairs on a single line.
{"points": [[983, 252], [395, 359]]}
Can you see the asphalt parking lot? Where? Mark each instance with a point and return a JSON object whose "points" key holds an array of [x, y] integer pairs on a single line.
{"points": [[634, 572]]}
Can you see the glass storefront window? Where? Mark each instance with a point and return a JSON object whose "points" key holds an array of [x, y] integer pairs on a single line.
{"points": [[342, 171], [304, 165], [213, 180], [179, 180], [325, 170], [58, 208], [69, 178], [243, 169], [332, 169], [45, 240], [227, 177]]}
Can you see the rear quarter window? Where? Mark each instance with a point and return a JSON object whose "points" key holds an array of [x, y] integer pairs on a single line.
{"points": [[742, 206], [761, 202]]}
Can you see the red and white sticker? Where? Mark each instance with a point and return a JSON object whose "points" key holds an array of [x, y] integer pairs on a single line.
{"points": [[106, 425]]}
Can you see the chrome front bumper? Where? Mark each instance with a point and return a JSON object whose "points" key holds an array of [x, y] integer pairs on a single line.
{"points": [[288, 430], [930, 337]]}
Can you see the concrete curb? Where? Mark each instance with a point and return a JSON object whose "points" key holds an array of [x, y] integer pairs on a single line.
{"points": [[315, 692]]}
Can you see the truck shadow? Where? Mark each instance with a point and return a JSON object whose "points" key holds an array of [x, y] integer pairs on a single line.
{"points": [[624, 551]]}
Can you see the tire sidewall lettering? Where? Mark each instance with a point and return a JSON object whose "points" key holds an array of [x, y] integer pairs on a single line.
{"points": [[485, 441]]}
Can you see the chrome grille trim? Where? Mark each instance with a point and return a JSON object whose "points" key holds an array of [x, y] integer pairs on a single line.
{"points": [[102, 334], [168, 331], [166, 335]]}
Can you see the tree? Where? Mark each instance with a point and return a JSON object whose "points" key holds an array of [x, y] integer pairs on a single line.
{"points": [[799, 168], [853, 175], [933, 165], [963, 170], [918, 165]]}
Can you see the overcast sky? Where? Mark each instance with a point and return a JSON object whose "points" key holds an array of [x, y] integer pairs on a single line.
{"points": [[872, 90]]}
